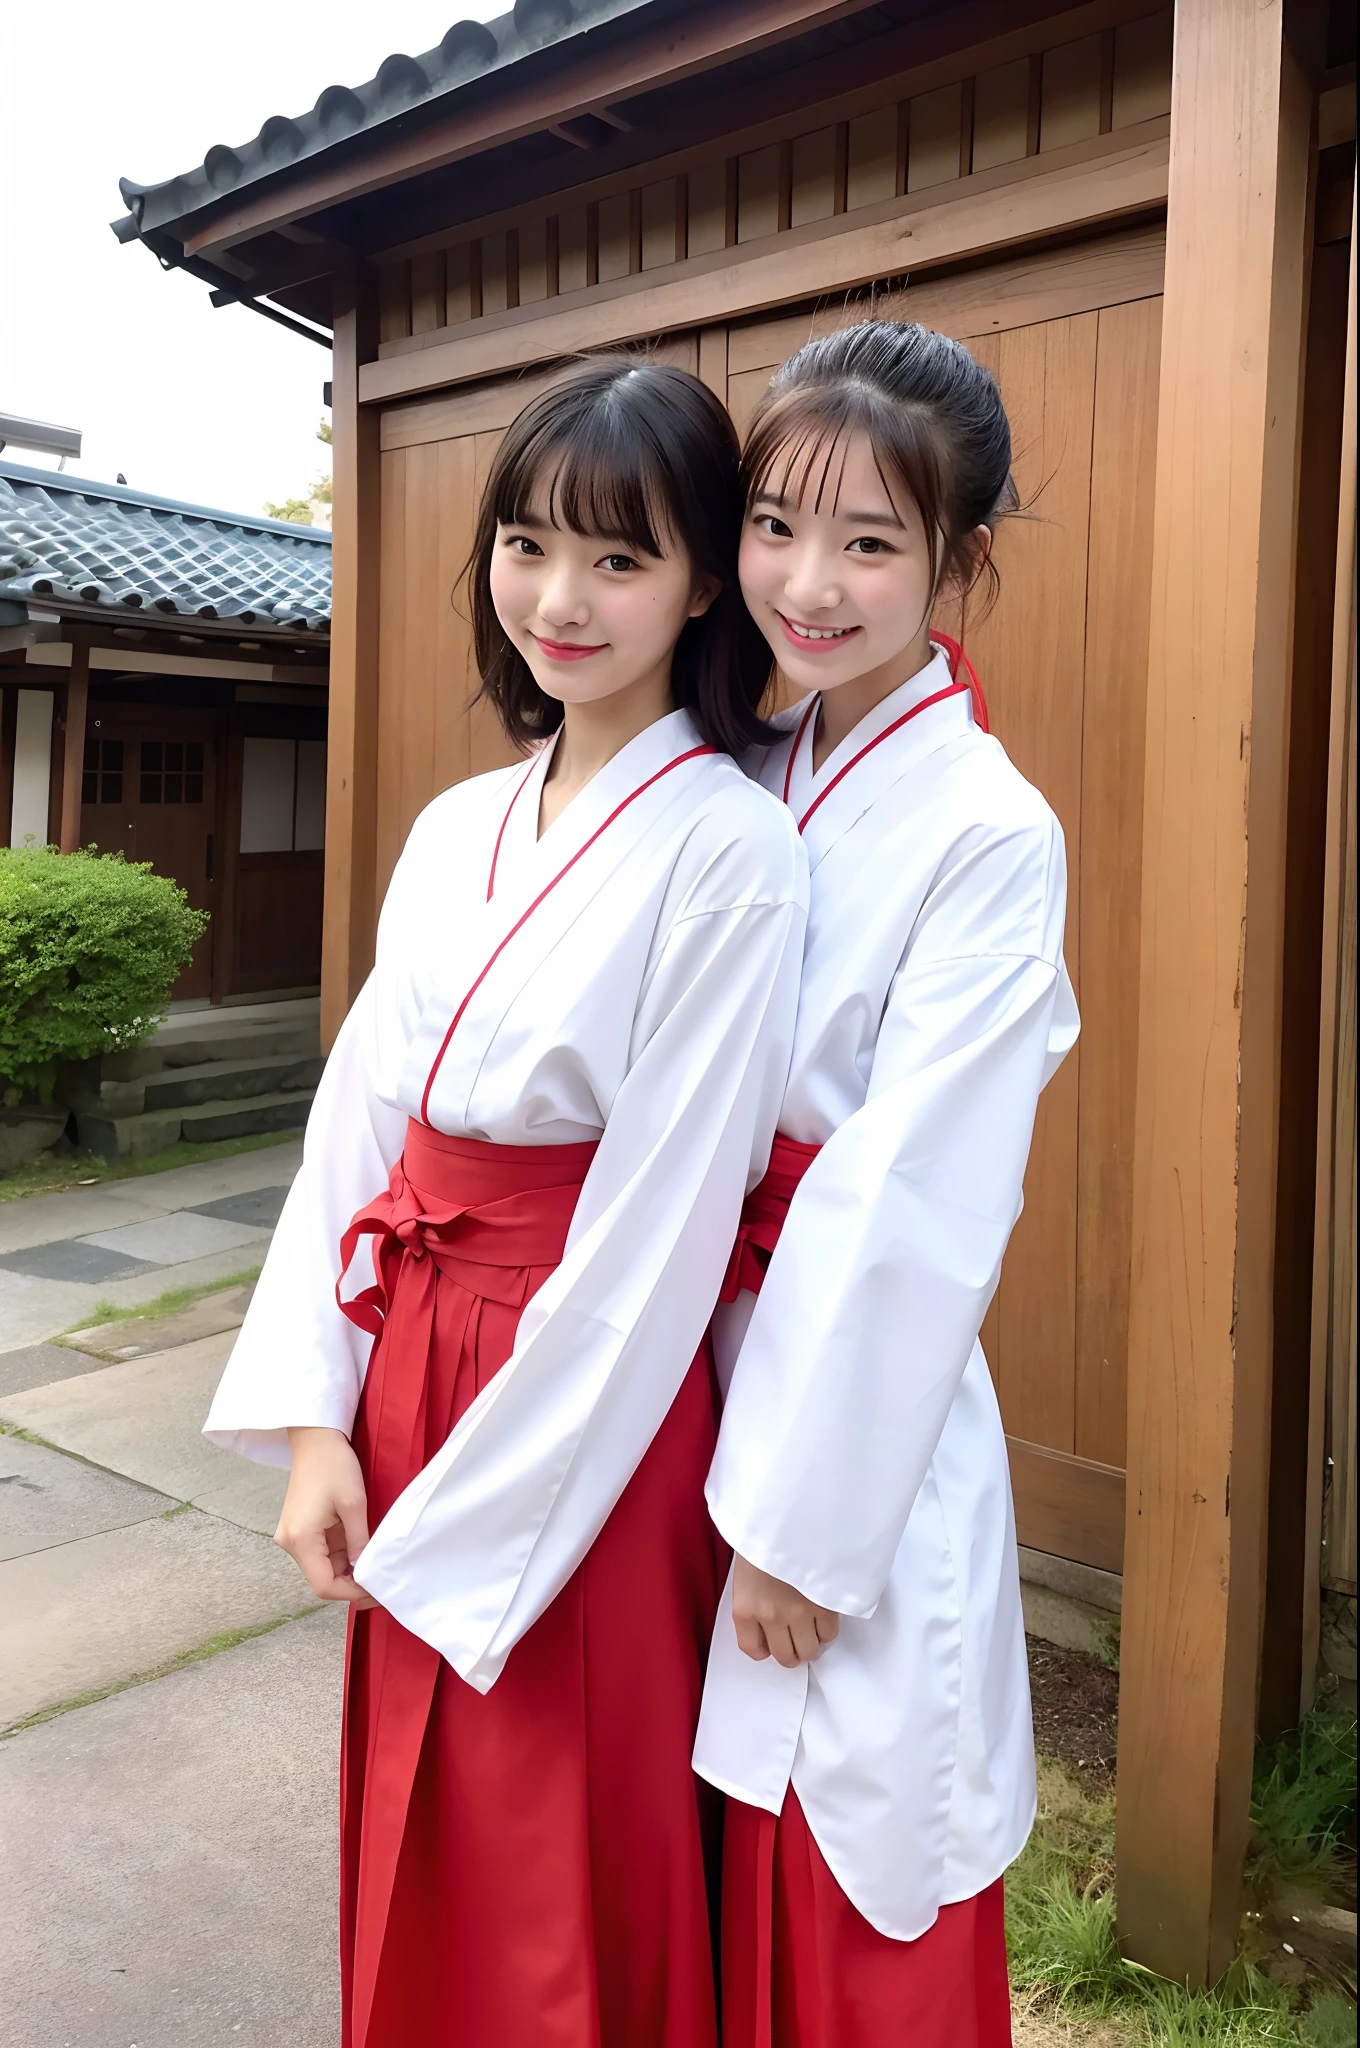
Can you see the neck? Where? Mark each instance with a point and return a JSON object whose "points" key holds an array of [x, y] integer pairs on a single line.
{"points": [[592, 734], [843, 708]]}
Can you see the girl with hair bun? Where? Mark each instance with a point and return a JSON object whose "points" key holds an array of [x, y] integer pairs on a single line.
{"points": [[867, 1704], [480, 1332]]}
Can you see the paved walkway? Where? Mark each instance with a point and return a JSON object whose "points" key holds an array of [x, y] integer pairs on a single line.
{"points": [[126, 1241], [169, 1692]]}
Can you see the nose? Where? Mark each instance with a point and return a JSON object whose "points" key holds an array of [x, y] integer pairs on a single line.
{"points": [[562, 601], [810, 581]]}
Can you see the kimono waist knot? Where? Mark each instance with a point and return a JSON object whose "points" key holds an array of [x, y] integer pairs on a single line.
{"points": [[763, 1213], [489, 1217]]}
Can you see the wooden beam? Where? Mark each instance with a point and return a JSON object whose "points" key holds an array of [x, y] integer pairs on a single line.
{"points": [[828, 91], [73, 745], [1210, 978], [1288, 1668], [1071, 1507], [1332, 1367], [9, 708], [350, 911], [583, 81], [1087, 185]]}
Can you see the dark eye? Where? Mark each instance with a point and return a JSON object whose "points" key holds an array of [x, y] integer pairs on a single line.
{"points": [[776, 528], [869, 544], [520, 544], [618, 562]]}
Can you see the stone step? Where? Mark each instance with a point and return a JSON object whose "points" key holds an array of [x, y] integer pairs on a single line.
{"points": [[282, 1110], [222, 1040], [225, 1080], [136, 1137]]}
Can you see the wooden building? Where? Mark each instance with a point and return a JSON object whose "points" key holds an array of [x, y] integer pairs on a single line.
{"points": [[1141, 219], [163, 670]]}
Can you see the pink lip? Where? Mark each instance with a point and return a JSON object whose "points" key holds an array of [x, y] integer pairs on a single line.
{"points": [[813, 646], [566, 650]]}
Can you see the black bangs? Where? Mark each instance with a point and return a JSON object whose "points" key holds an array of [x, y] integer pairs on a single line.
{"points": [[642, 455], [933, 417], [600, 476], [800, 439]]}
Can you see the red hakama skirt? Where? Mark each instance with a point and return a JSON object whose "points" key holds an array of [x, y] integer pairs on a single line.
{"points": [[532, 1864], [801, 1966]]}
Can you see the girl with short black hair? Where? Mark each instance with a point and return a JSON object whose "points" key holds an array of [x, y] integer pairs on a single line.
{"points": [[867, 1703], [480, 1331]]}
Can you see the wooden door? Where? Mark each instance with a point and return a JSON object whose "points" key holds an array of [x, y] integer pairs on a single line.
{"points": [[150, 790], [1074, 342]]}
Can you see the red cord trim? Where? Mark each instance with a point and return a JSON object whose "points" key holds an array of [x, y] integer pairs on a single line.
{"points": [[520, 922], [958, 659]]}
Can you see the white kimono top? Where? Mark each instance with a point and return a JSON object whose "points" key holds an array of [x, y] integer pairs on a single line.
{"points": [[861, 1456], [647, 1002]]}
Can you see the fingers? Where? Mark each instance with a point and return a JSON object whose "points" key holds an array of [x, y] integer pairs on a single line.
{"points": [[793, 1632], [352, 1509], [324, 1524], [311, 1550], [807, 1645], [773, 1619], [782, 1646], [751, 1637]]}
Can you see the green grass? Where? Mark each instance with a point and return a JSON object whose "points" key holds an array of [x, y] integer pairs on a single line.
{"points": [[160, 1305], [226, 1639], [47, 1176], [1060, 1906], [1303, 1800]]}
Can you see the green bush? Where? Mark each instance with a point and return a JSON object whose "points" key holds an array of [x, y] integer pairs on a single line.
{"points": [[90, 945]]}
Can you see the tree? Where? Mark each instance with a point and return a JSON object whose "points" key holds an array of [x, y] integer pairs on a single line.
{"points": [[315, 508]]}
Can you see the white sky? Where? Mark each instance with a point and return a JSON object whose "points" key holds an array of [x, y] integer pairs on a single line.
{"points": [[217, 407]]}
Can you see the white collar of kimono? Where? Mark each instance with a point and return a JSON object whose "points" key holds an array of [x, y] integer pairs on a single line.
{"points": [[878, 771], [502, 944], [522, 853]]}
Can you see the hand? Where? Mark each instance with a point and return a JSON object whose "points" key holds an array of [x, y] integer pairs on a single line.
{"points": [[324, 1524], [776, 1620]]}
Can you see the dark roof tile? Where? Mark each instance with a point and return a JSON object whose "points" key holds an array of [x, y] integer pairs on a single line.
{"points": [[468, 52], [72, 541]]}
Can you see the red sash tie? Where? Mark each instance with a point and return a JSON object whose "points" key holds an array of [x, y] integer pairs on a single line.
{"points": [[763, 1213]]}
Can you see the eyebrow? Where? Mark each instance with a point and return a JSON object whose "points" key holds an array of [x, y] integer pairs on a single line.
{"points": [[778, 503]]}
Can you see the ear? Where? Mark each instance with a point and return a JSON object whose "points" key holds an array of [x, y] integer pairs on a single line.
{"points": [[959, 582], [707, 591]]}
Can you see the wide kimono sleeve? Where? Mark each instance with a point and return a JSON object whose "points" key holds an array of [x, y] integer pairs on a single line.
{"points": [[893, 1243], [298, 1361], [486, 1536]]}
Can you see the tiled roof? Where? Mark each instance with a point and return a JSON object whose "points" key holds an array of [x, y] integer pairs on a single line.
{"points": [[468, 54], [66, 541]]}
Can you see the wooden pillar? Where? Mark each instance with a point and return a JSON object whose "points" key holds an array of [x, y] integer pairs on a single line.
{"points": [[350, 913], [9, 708], [1331, 1506], [1210, 976], [73, 746]]}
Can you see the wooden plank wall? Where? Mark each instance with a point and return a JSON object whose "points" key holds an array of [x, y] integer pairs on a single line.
{"points": [[1068, 94], [1073, 337]]}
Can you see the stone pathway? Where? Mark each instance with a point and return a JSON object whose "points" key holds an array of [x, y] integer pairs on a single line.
{"points": [[169, 1692], [126, 1241]]}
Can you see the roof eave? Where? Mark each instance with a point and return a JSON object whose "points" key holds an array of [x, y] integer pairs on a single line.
{"points": [[473, 60]]}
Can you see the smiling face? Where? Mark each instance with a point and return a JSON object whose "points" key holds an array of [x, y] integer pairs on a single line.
{"points": [[591, 616], [838, 575]]}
